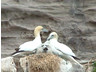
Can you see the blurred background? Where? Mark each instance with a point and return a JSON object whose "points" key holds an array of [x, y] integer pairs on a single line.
{"points": [[73, 20]]}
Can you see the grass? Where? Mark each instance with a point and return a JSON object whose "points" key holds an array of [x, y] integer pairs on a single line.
{"points": [[94, 66]]}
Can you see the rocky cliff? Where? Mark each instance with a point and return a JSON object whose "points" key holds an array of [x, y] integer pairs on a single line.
{"points": [[73, 20]]}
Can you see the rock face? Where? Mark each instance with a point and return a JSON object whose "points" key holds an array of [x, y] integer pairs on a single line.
{"points": [[73, 20], [42, 62], [8, 65]]}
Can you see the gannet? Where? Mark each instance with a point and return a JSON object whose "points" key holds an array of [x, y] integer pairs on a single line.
{"points": [[60, 49], [44, 49], [32, 45]]}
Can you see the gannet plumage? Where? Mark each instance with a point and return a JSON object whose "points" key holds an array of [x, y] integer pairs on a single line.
{"points": [[44, 49], [60, 49], [32, 45]]}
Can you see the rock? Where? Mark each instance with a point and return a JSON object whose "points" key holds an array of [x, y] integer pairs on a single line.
{"points": [[73, 20], [8, 65], [45, 62]]}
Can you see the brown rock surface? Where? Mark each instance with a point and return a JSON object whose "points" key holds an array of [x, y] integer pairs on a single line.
{"points": [[73, 20]]}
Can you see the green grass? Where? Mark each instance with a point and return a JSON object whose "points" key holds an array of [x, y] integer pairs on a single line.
{"points": [[94, 66]]}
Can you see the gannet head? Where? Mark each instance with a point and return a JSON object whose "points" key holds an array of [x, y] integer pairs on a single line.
{"points": [[52, 35], [38, 29], [44, 49]]}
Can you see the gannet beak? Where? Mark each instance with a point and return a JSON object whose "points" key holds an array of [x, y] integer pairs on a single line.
{"points": [[50, 37], [44, 30]]}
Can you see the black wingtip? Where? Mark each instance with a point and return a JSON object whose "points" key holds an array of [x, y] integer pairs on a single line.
{"points": [[76, 58], [17, 52]]}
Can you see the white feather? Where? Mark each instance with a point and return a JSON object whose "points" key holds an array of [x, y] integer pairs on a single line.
{"points": [[31, 45], [60, 49]]}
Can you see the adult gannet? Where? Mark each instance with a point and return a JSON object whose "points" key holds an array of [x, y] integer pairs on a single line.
{"points": [[60, 49], [32, 45]]}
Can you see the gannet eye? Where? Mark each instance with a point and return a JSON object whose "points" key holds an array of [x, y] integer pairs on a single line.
{"points": [[52, 35]]}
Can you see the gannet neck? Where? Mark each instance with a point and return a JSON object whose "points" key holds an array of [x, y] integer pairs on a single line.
{"points": [[53, 40], [37, 31], [56, 37], [37, 38]]}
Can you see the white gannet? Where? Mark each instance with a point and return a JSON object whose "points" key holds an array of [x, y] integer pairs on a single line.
{"points": [[60, 49], [32, 45], [44, 49]]}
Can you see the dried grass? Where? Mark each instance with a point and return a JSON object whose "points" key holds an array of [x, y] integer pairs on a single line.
{"points": [[41, 63]]}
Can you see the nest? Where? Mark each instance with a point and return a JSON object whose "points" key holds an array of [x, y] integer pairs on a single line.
{"points": [[42, 62]]}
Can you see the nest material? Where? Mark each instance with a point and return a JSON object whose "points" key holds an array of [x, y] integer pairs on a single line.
{"points": [[42, 63]]}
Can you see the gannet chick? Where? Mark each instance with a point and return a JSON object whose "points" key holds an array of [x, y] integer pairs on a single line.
{"points": [[32, 45], [60, 49], [44, 49]]}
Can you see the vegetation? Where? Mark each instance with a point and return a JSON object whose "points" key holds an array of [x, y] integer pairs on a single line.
{"points": [[94, 66]]}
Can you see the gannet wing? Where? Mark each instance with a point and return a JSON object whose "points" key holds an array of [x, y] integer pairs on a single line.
{"points": [[64, 49], [29, 46]]}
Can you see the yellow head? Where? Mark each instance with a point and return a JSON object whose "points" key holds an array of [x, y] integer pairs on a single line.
{"points": [[53, 35], [37, 30]]}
